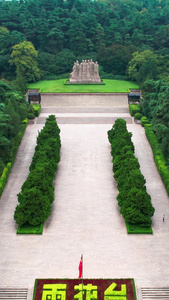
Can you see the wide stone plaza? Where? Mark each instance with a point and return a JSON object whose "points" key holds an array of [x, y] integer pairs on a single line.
{"points": [[85, 217]]}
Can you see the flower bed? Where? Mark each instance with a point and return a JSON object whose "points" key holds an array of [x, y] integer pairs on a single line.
{"points": [[96, 289]]}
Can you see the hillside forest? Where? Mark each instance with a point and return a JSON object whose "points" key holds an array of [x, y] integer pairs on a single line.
{"points": [[41, 39]]}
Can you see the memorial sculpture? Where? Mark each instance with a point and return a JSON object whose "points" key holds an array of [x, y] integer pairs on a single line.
{"points": [[85, 72]]}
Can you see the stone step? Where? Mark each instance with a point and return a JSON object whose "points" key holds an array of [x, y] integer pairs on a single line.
{"points": [[159, 293], [84, 110], [84, 120], [13, 293]]}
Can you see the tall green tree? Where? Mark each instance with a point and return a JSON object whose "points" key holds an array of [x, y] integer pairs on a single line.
{"points": [[24, 57], [77, 37], [139, 60]]}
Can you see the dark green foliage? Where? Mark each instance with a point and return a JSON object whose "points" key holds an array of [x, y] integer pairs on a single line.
{"points": [[119, 143], [43, 157], [148, 70], [126, 166], [37, 192], [13, 109], [62, 31], [56, 64], [34, 207], [41, 180], [31, 116], [125, 156], [133, 178], [1, 166], [144, 121], [154, 93], [137, 207], [119, 132], [158, 156], [138, 116], [119, 137], [155, 106], [4, 176], [11, 156], [20, 82], [15, 143], [135, 203], [23, 110], [37, 109], [33, 111], [115, 58]]}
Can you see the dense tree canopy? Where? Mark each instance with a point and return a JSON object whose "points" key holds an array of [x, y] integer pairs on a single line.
{"points": [[24, 57], [13, 109], [143, 64], [155, 106], [107, 31]]}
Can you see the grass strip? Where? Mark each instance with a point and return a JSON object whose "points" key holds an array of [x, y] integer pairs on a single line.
{"points": [[138, 229], [134, 288], [30, 229], [34, 290]]}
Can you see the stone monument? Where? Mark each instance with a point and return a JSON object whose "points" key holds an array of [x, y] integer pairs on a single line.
{"points": [[85, 72]]}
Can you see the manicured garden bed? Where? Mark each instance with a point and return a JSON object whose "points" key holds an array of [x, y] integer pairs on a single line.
{"points": [[58, 86], [96, 289]]}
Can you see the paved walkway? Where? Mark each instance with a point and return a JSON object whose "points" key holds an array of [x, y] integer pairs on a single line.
{"points": [[85, 217]]}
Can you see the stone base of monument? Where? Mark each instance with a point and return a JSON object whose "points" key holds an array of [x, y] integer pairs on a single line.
{"points": [[99, 82], [84, 82]]}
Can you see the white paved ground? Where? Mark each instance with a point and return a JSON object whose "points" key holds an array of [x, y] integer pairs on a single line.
{"points": [[85, 217]]}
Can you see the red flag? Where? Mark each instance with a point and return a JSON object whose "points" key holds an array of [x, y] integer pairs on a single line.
{"points": [[81, 267]]}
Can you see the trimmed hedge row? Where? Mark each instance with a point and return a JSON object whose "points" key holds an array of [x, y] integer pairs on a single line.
{"points": [[17, 140], [4, 177], [134, 108], [34, 111], [144, 121], [37, 109], [37, 192], [138, 116], [15, 145], [133, 199], [158, 156]]}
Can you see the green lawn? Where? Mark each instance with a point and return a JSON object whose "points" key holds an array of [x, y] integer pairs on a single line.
{"points": [[57, 86]]}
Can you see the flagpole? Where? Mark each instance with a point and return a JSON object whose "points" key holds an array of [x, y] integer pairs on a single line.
{"points": [[82, 276]]}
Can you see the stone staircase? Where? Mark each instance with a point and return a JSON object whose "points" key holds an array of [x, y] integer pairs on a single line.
{"points": [[84, 115], [159, 293], [13, 293]]}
